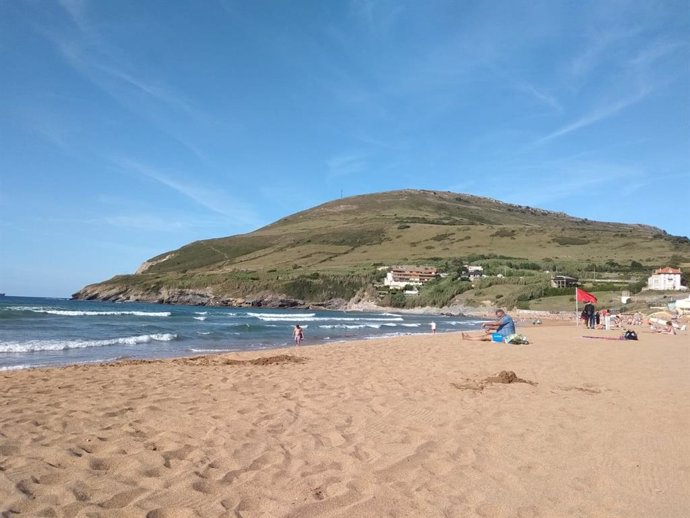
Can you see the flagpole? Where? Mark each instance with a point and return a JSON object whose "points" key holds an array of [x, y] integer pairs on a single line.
{"points": [[577, 311]]}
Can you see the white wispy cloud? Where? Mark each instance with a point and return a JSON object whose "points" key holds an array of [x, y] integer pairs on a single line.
{"points": [[539, 95], [212, 198], [598, 49], [98, 56], [89, 54], [76, 9], [657, 51], [567, 180], [597, 115], [135, 93], [88, 62]]}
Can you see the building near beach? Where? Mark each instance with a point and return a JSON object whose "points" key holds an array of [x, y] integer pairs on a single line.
{"points": [[401, 276], [474, 271], [665, 279], [564, 281]]}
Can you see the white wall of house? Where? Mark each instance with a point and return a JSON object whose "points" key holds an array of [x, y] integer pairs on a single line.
{"points": [[665, 281], [388, 281]]}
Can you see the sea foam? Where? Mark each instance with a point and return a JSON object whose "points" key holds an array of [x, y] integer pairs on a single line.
{"points": [[350, 326], [307, 318], [61, 345], [280, 316], [75, 313]]}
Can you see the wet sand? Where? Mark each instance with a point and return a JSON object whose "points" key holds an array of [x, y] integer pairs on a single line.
{"points": [[416, 426]]}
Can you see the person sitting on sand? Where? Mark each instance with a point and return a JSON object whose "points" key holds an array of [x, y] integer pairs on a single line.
{"points": [[668, 330], [503, 325], [298, 334]]}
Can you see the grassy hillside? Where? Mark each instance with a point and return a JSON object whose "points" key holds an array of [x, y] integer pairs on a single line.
{"points": [[332, 250]]}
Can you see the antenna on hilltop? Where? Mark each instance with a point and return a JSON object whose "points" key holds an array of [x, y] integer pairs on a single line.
{"points": [[341, 194]]}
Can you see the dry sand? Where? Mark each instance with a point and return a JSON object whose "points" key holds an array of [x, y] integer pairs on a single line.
{"points": [[379, 428]]}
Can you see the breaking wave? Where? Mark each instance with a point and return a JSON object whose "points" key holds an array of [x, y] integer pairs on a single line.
{"points": [[75, 313], [350, 326], [61, 345], [272, 318], [281, 316]]}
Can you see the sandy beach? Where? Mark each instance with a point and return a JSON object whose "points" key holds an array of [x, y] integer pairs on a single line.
{"points": [[402, 427]]}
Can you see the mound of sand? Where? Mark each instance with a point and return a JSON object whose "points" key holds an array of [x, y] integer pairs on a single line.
{"points": [[501, 377]]}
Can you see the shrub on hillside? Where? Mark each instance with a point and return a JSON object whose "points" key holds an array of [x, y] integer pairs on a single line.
{"points": [[569, 240]]}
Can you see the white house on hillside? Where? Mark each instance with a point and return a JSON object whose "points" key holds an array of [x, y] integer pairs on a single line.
{"points": [[401, 276], [665, 279]]}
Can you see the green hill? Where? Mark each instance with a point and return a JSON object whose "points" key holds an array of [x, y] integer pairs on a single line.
{"points": [[332, 251]]}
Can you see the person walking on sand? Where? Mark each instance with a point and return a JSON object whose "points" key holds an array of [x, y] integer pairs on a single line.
{"points": [[503, 325], [590, 313], [433, 328], [298, 334]]}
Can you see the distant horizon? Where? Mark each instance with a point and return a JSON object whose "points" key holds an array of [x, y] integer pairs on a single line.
{"points": [[154, 124]]}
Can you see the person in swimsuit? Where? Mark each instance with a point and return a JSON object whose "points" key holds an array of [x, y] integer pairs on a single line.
{"points": [[298, 334]]}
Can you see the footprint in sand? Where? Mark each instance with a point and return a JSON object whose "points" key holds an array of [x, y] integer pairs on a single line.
{"points": [[81, 492], [122, 499], [177, 512], [99, 464]]}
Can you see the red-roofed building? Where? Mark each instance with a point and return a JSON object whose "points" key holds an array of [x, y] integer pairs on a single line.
{"points": [[401, 276], [665, 279]]}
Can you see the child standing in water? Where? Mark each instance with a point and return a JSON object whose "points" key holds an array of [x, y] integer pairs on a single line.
{"points": [[298, 334]]}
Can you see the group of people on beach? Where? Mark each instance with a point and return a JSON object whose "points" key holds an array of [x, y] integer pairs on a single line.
{"points": [[603, 319], [504, 326], [594, 319]]}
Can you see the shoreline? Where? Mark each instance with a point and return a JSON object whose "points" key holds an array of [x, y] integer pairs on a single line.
{"points": [[44, 332], [36, 359], [262, 351]]}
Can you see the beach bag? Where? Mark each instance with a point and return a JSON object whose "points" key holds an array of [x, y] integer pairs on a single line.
{"points": [[517, 339], [630, 335]]}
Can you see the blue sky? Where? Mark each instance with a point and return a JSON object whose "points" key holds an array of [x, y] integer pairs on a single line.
{"points": [[130, 128]]}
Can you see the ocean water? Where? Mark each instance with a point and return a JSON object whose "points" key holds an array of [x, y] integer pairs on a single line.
{"points": [[40, 332]]}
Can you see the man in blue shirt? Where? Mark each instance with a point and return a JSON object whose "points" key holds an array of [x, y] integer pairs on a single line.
{"points": [[503, 325]]}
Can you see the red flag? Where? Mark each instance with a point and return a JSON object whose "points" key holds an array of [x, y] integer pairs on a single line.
{"points": [[584, 296]]}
